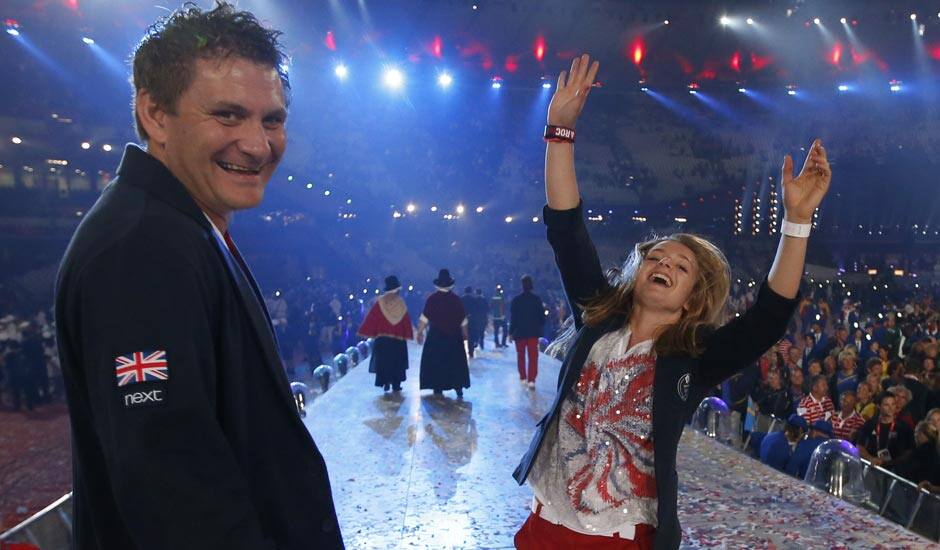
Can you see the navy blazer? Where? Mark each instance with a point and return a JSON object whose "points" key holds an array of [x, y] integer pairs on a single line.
{"points": [[680, 382], [210, 453]]}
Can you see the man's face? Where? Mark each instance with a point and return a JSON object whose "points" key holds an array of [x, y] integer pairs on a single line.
{"points": [[848, 401], [227, 135], [796, 377], [821, 388], [887, 406], [794, 354]]}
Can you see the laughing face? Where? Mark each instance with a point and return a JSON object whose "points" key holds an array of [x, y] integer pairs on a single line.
{"points": [[227, 135], [666, 277]]}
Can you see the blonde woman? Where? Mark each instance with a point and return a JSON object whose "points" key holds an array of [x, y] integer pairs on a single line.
{"points": [[602, 464]]}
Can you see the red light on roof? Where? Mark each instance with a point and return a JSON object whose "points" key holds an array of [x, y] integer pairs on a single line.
{"points": [[330, 41], [539, 48], [736, 61], [638, 52], [437, 47], [836, 55]]}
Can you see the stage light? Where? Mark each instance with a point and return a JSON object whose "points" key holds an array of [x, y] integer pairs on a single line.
{"points": [[341, 71], [539, 50], [479, 209], [87, 40], [843, 21], [444, 80], [666, 22], [106, 148], [742, 90], [724, 20], [86, 145], [913, 17], [816, 21], [644, 89], [749, 21], [461, 209], [393, 79], [12, 32], [535, 219], [309, 186], [497, 83], [326, 193], [639, 51], [508, 219], [16, 140], [396, 214], [433, 209], [895, 85], [546, 85], [843, 88], [411, 208], [693, 92]]}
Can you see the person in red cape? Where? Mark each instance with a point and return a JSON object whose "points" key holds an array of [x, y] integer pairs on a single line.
{"points": [[389, 324]]}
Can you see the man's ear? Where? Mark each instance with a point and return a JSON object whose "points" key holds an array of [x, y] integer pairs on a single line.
{"points": [[152, 117]]}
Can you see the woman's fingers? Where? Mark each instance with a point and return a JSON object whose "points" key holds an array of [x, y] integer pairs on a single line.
{"points": [[592, 74], [787, 172], [561, 81]]}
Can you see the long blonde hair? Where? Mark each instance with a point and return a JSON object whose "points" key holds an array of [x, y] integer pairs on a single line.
{"points": [[703, 309]]}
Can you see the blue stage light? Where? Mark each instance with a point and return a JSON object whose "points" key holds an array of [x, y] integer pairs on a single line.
{"points": [[341, 71], [393, 79], [13, 32], [87, 40], [547, 85], [444, 80], [843, 88]]}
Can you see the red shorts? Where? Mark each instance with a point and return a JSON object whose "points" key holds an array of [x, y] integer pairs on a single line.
{"points": [[539, 534]]}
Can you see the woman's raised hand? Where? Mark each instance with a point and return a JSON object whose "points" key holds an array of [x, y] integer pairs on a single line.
{"points": [[803, 194], [572, 92]]}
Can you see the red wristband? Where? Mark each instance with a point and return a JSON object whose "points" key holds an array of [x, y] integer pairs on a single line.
{"points": [[559, 134]]}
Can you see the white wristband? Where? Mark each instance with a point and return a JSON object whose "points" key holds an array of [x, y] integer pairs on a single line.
{"points": [[799, 230]]}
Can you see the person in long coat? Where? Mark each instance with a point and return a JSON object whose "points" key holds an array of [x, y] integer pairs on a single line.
{"points": [[389, 324], [444, 360]]}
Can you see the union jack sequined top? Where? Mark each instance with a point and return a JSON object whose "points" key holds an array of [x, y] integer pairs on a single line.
{"points": [[595, 470]]}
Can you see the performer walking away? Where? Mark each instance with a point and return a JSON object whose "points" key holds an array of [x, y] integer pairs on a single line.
{"points": [[483, 311], [646, 350], [469, 301], [184, 430], [498, 313], [389, 324], [443, 359], [526, 323]]}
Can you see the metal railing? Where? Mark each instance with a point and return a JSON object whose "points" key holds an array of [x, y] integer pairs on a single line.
{"points": [[48, 529], [889, 495]]}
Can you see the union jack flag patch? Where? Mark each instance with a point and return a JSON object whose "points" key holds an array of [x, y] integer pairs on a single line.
{"points": [[141, 366]]}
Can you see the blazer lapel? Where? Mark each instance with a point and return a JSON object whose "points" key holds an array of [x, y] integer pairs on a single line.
{"points": [[260, 320]]}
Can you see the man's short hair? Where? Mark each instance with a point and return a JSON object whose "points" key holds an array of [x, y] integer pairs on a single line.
{"points": [[886, 395], [817, 379], [872, 361], [527, 283], [164, 59]]}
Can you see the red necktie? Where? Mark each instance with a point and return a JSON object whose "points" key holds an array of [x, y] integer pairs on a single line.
{"points": [[230, 244]]}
